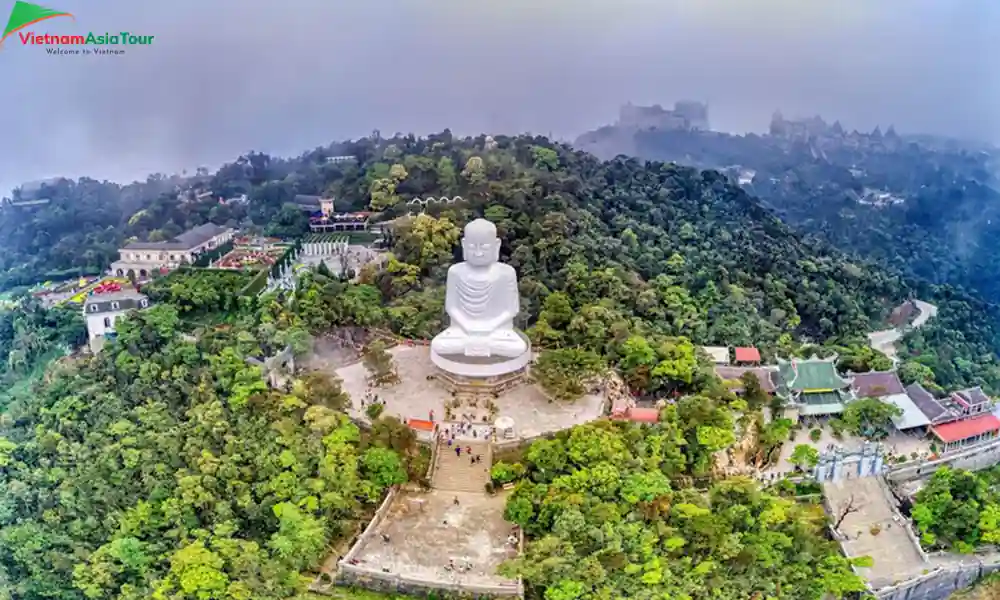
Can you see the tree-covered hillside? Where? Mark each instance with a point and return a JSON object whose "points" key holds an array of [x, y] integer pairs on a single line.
{"points": [[929, 211], [166, 468], [634, 247]]}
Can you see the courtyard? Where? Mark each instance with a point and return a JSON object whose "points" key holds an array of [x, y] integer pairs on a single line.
{"points": [[418, 394], [897, 444], [427, 536], [873, 528]]}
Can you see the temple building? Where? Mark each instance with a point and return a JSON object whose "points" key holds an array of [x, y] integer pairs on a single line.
{"points": [[747, 356], [813, 386], [687, 115], [887, 387], [962, 418], [143, 259]]}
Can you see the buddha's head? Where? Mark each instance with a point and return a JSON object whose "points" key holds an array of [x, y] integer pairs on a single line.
{"points": [[480, 244]]}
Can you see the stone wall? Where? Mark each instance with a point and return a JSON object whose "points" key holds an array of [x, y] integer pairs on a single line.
{"points": [[370, 529], [520, 441], [973, 459], [940, 583], [435, 446], [371, 579]]}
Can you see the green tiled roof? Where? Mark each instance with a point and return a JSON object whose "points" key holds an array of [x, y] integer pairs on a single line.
{"points": [[811, 374], [822, 403]]}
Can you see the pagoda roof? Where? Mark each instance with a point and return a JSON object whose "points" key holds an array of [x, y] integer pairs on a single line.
{"points": [[811, 375]]}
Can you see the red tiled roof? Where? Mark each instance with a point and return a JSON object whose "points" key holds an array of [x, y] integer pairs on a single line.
{"points": [[960, 430], [747, 355], [644, 415], [421, 424]]}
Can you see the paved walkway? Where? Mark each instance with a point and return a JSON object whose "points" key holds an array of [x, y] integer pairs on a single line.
{"points": [[885, 340], [456, 472]]}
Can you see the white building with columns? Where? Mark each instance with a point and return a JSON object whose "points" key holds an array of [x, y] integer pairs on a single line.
{"points": [[145, 258]]}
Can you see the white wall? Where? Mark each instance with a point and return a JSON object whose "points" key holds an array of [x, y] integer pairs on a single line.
{"points": [[96, 325]]}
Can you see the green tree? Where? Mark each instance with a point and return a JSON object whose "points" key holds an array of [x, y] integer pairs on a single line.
{"points": [[870, 417], [379, 363], [565, 373], [804, 456]]}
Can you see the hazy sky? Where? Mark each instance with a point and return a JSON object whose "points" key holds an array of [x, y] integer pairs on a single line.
{"points": [[227, 76]]}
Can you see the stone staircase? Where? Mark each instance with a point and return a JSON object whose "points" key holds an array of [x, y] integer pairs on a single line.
{"points": [[455, 474]]}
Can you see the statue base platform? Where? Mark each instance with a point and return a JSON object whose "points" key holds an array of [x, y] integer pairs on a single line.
{"points": [[494, 374]]}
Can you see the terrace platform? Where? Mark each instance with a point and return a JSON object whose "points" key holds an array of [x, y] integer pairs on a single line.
{"points": [[420, 392], [429, 531]]}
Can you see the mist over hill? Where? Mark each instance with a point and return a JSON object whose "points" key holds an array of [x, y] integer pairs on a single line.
{"points": [[928, 206], [283, 79]]}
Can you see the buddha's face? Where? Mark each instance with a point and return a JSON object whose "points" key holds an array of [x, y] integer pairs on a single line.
{"points": [[480, 251]]}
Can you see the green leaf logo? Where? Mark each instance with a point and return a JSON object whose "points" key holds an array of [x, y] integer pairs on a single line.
{"points": [[24, 15]]}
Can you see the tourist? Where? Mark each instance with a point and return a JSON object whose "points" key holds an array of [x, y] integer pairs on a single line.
{"points": [[479, 458], [458, 451], [468, 449], [431, 415], [449, 442], [456, 500], [472, 460]]}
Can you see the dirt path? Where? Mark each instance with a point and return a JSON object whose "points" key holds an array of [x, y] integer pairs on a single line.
{"points": [[885, 340]]}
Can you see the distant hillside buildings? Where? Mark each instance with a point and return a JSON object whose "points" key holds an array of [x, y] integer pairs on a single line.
{"points": [[687, 115], [814, 129], [143, 259]]}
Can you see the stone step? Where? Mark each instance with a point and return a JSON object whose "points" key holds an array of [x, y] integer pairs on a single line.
{"points": [[456, 473]]}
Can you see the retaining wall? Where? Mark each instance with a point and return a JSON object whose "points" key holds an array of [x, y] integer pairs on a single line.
{"points": [[907, 526], [371, 579], [973, 459], [521, 441], [940, 583], [370, 529]]}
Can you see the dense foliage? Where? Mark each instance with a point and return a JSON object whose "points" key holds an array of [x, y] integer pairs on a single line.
{"points": [[637, 248], [166, 468], [958, 509], [606, 518], [199, 292], [30, 331], [31, 336], [929, 210]]}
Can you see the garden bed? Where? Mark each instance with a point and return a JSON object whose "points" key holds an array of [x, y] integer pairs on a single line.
{"points": [[99, 286], [249, 259]]}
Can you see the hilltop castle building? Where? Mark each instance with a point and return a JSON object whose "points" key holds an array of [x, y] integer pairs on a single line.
{"points": [[687, 115]]}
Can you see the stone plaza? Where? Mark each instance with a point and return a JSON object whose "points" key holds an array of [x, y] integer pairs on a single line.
{"points": [[427, 536], [419, 393]]}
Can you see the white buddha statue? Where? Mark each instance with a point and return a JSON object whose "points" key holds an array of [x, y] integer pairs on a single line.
{"points": [[481, 300]]}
